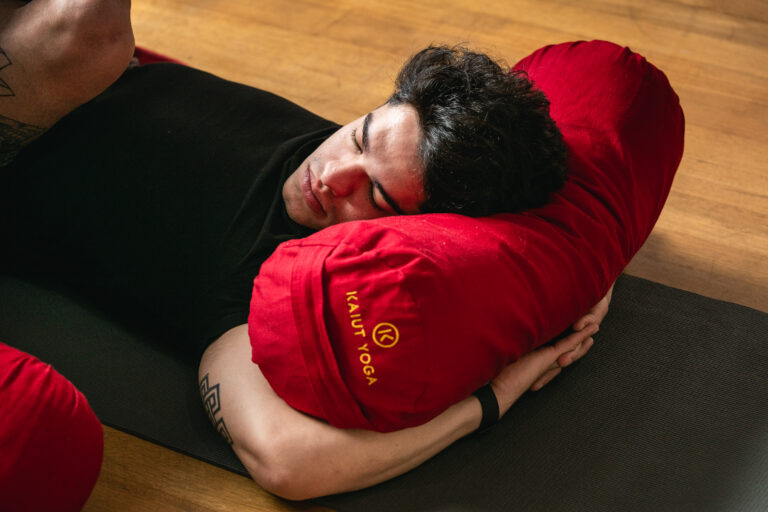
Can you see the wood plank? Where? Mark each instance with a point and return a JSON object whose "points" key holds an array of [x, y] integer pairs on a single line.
{"points": [[141, 476]]}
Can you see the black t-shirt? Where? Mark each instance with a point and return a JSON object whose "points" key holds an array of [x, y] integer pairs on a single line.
{"points": [[160, 198]]}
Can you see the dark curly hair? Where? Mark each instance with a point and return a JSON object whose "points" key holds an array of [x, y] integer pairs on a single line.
{"points": [[488, 142]]}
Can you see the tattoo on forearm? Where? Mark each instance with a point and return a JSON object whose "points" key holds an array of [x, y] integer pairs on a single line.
{"points": [[212, 404], [5, 89], [13, 134]]}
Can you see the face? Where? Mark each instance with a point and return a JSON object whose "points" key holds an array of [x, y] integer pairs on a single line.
{"points": [[369, 168]]}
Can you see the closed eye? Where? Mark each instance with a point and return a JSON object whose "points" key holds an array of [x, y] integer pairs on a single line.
{"points": [[372, 188], [354, 140], [373, 198]]}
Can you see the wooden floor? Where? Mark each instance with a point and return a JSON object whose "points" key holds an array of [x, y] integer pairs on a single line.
{"points": [[339, 58]]}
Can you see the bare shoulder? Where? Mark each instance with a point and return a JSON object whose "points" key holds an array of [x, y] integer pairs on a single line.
{"points": [[232, 346], [214, 367], [232, 387], [259, 425]]}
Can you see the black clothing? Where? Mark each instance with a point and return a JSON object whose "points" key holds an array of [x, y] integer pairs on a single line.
{"points": [[161, 197]]}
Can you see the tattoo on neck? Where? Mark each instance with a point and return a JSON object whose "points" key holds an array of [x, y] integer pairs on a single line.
{"points": [[212, 403]]}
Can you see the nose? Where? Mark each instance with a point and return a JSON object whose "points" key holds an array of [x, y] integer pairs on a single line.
{"points": [[344, 176]]}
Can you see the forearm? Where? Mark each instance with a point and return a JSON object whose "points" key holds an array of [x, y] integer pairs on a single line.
{"points": [[297, 456], [316, 459]]}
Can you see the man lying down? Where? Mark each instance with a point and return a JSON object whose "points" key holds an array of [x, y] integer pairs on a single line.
{"points": [[161, 196]]}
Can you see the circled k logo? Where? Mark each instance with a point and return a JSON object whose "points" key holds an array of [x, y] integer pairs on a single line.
{"points": [[385, 335]]}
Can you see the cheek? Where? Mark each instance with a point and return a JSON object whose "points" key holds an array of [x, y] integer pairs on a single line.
{"points": [[330, 146], [358, 207]]}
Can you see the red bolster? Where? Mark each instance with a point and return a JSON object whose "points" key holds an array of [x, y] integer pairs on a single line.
{"points": [[383, 324], [51, 442]]}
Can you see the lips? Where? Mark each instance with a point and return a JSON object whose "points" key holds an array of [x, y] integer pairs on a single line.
{"points": [[309, 196]]}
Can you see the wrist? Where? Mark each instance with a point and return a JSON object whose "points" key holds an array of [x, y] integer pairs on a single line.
{"points": [[468, 413], [489, 406]]}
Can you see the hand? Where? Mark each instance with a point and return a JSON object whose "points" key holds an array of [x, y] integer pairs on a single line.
{"points": [[594, 317], [535, 369], [596, 314]]}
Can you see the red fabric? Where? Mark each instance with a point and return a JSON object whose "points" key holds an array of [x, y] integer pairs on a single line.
{"points": [[467, 296], [51, 442], [149, 57]]}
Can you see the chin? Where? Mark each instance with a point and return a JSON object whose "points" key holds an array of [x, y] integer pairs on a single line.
{"points": [[302, 217]]}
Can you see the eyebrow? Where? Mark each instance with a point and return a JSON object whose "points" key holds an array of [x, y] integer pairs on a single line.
{"points": [[391, 202], [366, 123]]}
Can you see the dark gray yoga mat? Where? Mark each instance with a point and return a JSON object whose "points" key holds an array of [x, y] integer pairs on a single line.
{"points": [[669, 411]]}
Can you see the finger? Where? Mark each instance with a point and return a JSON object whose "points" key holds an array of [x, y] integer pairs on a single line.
{"points": [[599, 311], [545, 378], [576, 354], [582, 322], [571, 341], [596, 313]]}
